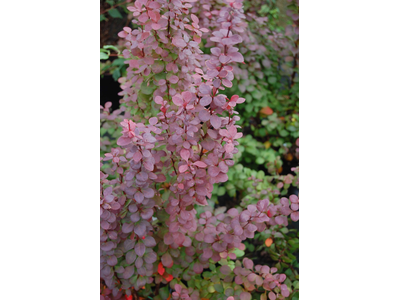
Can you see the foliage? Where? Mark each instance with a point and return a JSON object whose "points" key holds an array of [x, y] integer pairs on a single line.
{"points": [[184, 205]]}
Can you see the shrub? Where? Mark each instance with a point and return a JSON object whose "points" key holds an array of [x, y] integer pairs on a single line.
{"points": [[162, 152]]}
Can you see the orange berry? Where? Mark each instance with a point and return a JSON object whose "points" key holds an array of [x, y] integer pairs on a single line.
{"points": [[266, 111], [268, 242]]}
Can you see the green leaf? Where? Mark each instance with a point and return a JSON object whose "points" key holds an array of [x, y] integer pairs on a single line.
{"points": [[164, 292], [221, 191], [257, 94], [250, 247], [284, 230], [112, 48], [286, 259], [260, 174], [283, 133], [260, 160], [218, 287], [145, 89], [238, 252], [160, 76], [116, 74], [296, 284], [230, 186], [115, 13], [103, 18], [118, 62], [232, 193], [103, 55], [211, 288]]}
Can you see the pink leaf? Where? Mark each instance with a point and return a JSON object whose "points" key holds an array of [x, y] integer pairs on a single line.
{"points": [[153, 121], [155, 26], [194, 18], [205, 89], [178, 42], [248, 263], [229, 147], [177, 100], [224, 59], [200, 164], [123, 141], [206, 100], [271, 295], [245, 296], [204, 115], [294, 199], [227, 82], [173, 79], [215, 121], [294, 216], [154, 15], [213, 171], [183, 168], [185, 154]]}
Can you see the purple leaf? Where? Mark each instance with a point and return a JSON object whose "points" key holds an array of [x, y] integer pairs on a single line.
{"points": [[139, 197], [128, 272], [140, 229], [149, 241], [129, 244], [140, 248], [148, 193], [150, 257], [130, 257], [198, 268], [166, 260], [127, 227], [147, 213]]}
